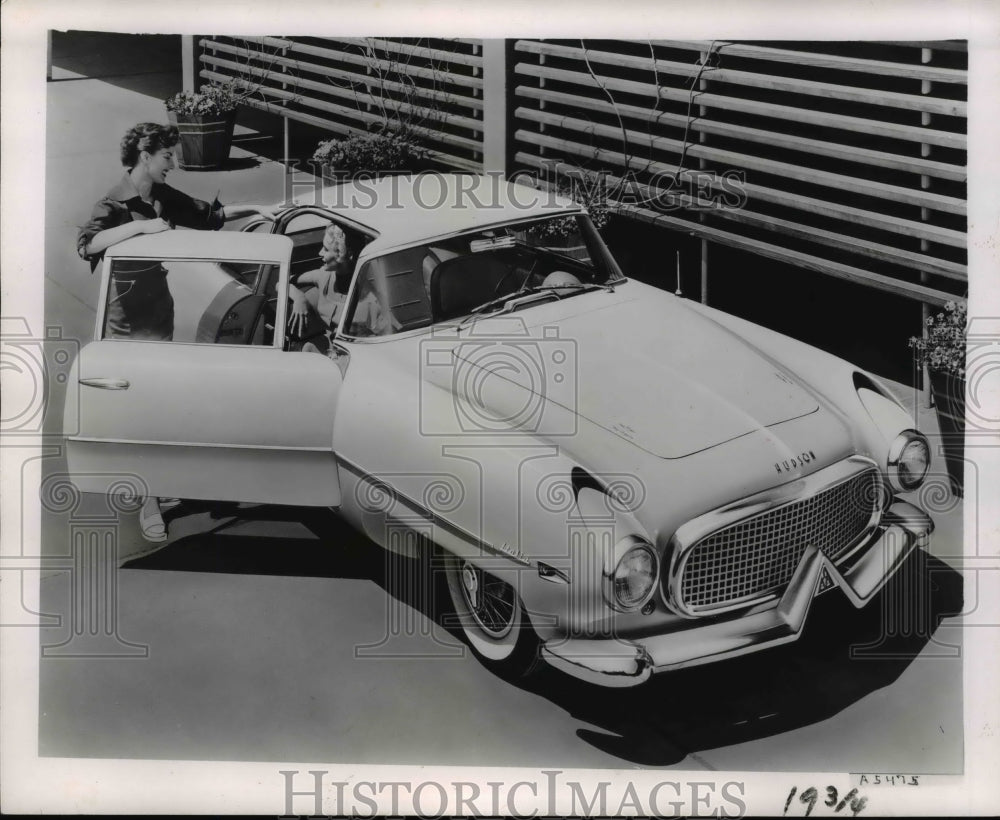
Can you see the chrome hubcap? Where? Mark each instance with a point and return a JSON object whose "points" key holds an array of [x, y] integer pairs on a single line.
{"points": [[470, 581], [491, 600]]}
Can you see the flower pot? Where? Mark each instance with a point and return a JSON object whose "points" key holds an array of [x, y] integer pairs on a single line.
{"points": [[568, 245], [949, 402], [205, 139]]}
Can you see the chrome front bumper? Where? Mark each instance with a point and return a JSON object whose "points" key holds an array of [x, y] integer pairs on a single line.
{"points": [[620, 662]]}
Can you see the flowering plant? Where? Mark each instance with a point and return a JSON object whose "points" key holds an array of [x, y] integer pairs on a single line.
{"points": [[212, 99], [943, 350], [589, 192], [357, 153]]}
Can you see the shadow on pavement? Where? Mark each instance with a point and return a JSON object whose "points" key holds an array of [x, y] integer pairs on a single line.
{"points": [[844, 655], [337, 551], [145, 63], [775, 691]]}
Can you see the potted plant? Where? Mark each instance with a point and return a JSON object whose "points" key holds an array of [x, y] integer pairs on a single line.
{"points": [[205, 120], [589, 191], [943, 351], [373, 153]]}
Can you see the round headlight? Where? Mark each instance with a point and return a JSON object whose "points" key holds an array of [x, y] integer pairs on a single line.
{"points": [[634, 577], [909, 460]]}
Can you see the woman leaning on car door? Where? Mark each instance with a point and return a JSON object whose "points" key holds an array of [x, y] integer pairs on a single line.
{"points": [[139, 302]]}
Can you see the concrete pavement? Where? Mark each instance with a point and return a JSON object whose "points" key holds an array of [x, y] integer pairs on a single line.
{"points": [[239, 639]]}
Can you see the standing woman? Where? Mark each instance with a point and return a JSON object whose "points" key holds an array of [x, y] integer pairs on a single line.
{"points": [[139, 302]]}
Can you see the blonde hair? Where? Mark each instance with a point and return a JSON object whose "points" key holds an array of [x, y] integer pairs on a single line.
{"points": [[336, 247], [337, 254]]}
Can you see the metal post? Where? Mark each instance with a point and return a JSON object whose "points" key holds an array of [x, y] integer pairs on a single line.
{"points": [[189, 63], [925, 182], [703, 86], [286, 120], [476, 72], [286, 142]]}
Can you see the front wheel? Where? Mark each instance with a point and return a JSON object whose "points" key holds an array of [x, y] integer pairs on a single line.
{"points": [[492, 619]]}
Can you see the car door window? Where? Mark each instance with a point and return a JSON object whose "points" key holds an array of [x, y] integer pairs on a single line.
{"points": [[188, 301]]}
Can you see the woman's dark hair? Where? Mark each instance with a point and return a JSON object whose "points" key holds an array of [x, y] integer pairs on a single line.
{"points": [[146, 136]]}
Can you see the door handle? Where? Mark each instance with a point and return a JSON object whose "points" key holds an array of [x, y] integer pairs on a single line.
{"points": [[107, 384]]}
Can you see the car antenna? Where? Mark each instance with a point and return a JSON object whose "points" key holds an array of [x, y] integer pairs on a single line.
{"points": [[678, 291]]}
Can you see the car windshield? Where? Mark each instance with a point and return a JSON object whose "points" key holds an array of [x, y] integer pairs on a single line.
{"points": [[452, 278]]}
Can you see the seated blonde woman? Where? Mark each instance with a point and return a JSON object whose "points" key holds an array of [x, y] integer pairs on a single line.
{"points": [[322, 291]]}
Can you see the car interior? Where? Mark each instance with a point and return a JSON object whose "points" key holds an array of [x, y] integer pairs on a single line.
{"points": [[400, 291], [427, 284]]}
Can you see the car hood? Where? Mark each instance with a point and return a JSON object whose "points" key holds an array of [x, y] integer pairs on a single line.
{"points": [[645, 367]]}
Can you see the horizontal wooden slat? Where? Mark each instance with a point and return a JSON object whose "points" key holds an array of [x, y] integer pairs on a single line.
{"points": [[914, 102], [787, 170], [340, 75], [937, 45], [843, 122], [351, 94], [849, 153], [336, 127], [819, 60], [424, 52], [872, 219], [353, 113]]}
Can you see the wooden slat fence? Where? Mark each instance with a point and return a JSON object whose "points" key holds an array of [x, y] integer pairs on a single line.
{"points": [[851, 155], [432, 86]]}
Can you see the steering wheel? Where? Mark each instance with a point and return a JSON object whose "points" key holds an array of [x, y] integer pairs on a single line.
{"points": [[506, 276]]}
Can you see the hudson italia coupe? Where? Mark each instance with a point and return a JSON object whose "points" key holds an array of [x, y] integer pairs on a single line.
{"points": [[612, 479]]}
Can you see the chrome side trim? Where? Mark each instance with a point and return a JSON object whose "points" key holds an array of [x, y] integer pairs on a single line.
{"points": [[689, 534], [430, 515], [206, 444]]}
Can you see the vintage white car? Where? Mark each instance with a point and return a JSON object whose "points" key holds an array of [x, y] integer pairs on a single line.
{"points": [[614, 480]]}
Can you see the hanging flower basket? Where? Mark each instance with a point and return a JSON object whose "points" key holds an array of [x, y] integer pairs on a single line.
{"points": [[949, 405], [943, 351]]}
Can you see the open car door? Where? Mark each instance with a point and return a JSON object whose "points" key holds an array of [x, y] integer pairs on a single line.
{"points": [[187, 391]]}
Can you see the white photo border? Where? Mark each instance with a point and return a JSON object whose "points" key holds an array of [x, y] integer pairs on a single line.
{"points": [[32, 784]]}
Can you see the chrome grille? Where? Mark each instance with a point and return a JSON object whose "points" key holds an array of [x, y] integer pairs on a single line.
{"points": [[758, 556]]}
